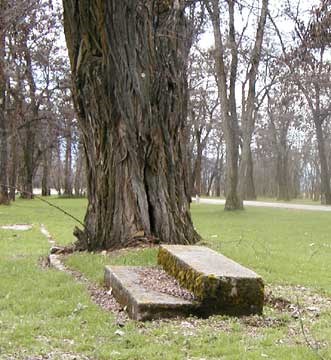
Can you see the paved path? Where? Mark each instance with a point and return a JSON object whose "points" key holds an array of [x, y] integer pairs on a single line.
{"points": [[270, 204]]}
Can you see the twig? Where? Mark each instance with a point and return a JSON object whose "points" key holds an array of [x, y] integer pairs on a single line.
{"points": [[311, 346], [45, 201]]}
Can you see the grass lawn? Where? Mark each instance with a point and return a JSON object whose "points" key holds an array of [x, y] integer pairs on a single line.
{"points": [[44, 311]]}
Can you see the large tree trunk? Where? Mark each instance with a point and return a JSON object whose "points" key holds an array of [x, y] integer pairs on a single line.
{"points": [[128, 62], [4, 196]]}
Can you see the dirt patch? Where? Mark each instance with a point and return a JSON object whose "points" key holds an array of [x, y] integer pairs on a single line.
{"points": [[154, 278], [297, 301], [17, 227]]}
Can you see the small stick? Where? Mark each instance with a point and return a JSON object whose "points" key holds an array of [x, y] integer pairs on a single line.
{"points": [[45, 201], [310, 345]]}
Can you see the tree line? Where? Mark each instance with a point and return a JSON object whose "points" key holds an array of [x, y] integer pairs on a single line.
{"points": [[141, 115]]}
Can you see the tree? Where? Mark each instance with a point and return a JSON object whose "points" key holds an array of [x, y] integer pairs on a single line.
{"points": [[281, 114], [4, 196], [249, 109], [226, 75], [128, 62], [203, 104], [309, 66]]}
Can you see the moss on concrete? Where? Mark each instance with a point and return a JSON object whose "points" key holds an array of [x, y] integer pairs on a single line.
{"points": [[216, 293]]}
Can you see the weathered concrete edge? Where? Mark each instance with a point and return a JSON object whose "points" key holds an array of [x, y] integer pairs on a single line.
{"points": [[142, 311], [239, 296], [121, 294]]}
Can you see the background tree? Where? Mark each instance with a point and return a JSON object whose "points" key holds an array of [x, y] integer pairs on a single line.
{"points": [[203, 105], [4, 196], [309, 66], [227, 73]]}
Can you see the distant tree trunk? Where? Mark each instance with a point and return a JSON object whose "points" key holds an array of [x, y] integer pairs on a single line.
{"points": [[197, 170], [227, 94], [325, 176], [79, 170], [29, 146], [13, 166], [4, 196], [57, 175], [249, 109], [314, 102], [246, 182], [219, 174], [45, 184], [215, 169], [282, 177], [14, 146], [68, 160], [128, 61], [226, 90]]}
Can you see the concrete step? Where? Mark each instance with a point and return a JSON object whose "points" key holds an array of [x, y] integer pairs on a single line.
{"points": [[222, 285], [142, 303]]}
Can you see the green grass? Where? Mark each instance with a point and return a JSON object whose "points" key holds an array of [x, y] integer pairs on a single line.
{"points": [[45, 311], [284, 246]]}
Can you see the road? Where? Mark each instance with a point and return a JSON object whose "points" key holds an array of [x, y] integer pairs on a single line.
{"points": [[270, 204]]}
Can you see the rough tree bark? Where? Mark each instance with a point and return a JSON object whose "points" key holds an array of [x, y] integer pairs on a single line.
{"points": [[128, 62]]}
